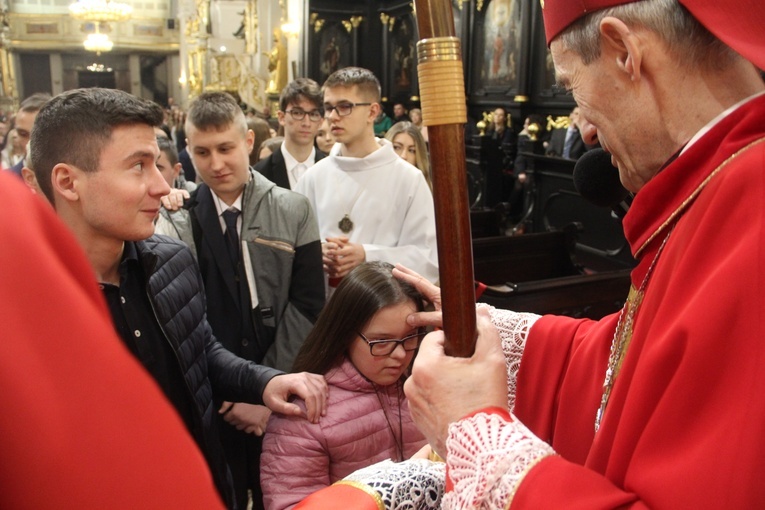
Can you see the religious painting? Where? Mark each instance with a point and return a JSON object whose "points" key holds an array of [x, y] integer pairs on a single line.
{"points": [[42, 28], [147, 30], [403, 79], [334, 49], [498, 42]]}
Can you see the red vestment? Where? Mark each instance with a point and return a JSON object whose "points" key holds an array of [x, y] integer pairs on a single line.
{"points": [[83, 424], [685, 423]]}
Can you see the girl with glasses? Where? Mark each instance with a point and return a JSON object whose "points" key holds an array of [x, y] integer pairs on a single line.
{"points": [[364, 347]]}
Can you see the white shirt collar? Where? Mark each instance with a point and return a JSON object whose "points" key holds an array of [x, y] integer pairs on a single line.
{"points": [[295, 168], [220, 205]]}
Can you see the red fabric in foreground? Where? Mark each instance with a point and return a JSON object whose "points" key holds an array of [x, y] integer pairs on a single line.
{"points": [[338, 496], [83, 425]]}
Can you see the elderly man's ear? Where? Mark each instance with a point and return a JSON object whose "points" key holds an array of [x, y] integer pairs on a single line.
{"points": [[619, 41]]}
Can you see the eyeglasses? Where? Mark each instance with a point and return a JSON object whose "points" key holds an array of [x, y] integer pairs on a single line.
{"points": [[298, 114], [386, 347], [343, 109]]}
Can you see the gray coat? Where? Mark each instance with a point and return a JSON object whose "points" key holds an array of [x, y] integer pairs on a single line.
{"points": [[282, 262]]}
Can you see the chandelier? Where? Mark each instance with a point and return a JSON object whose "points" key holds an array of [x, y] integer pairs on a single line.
{"points": [[100, 10], [98, 43]]}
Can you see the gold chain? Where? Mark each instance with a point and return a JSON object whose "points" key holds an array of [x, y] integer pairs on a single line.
{"points": [[623, 333]]}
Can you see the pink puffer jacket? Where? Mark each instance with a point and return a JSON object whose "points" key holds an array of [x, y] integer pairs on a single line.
{"points": [[300, 458]]}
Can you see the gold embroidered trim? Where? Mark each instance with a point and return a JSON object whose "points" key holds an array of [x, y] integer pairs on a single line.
{"points": [[531, 466], [694, 194], [624, 328], [366, 488]]}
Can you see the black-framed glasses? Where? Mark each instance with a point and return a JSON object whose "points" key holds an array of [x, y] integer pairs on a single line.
{"points": [[298, 114], [387, 346], [343, 109]]}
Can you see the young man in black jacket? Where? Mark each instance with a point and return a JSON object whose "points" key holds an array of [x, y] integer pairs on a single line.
{"points": [[94, 154], [301, 115]]}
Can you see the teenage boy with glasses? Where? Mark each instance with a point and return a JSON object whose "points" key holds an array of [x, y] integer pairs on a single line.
{"points": [[301, 116], [371, 204]]}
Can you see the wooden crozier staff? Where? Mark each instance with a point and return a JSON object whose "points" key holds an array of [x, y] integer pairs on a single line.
{"points": [[442, 94]]}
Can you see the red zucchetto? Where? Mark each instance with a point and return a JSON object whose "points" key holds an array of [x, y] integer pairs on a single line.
{"points": [[738, 24]]}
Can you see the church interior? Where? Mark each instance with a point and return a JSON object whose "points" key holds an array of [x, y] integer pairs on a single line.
{"points": [[537, 245]]}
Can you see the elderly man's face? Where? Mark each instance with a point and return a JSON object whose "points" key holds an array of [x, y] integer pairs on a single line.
{"points": [[613, 110]]}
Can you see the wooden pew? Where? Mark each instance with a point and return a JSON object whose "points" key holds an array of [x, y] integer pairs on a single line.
{"points": [[538, 273], [485, 223]]}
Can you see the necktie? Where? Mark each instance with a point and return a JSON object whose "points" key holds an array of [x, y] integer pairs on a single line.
{"points": [[568, 144], [232, 236]]}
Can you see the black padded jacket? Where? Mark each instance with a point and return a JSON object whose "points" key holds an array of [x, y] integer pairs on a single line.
{"points": [[211, 373]]}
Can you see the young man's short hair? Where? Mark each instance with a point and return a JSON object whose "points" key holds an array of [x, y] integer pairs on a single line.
{"points": [[364, 79], [216, 111], [76, 125], [34, 102], [300, 88], [167, 147]]}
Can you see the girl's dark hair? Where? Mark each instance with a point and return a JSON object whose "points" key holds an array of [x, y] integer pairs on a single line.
{"points": [[361, 294]]}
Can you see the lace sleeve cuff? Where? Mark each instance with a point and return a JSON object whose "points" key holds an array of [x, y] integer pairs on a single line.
{"points": [[513, 329], [487, 457]]}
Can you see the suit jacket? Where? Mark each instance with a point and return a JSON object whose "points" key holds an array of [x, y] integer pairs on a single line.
{"points": [[189, 172], [274, 168], [558, 140]]}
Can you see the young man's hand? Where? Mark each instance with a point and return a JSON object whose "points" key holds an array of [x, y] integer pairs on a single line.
{"points": [[341, 256], [250, 418], [311, 388], [174, 200]]}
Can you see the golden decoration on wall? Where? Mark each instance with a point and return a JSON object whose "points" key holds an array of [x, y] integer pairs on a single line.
{"points": [[197, 59], [251, 28], [8, 90], [533, 131], [277, 65], [224, 72], [479, 6], [316, 22], [197, 36], [388, 20], [354, 22], [562, 122]]}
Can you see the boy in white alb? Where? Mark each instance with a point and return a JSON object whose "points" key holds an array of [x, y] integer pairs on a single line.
{"points": [[370, 203]]}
